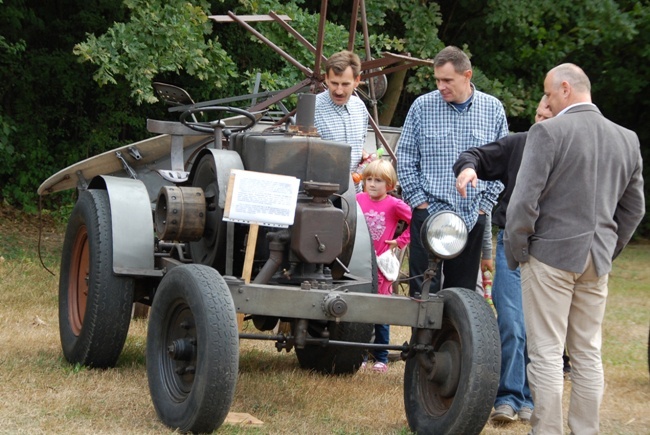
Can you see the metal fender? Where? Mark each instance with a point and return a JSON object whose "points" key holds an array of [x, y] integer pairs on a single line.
{"points": [[224, 161], [361, 262], [131, 223]]}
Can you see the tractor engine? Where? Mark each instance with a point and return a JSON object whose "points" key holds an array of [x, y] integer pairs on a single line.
{"points": [[317, 232]]}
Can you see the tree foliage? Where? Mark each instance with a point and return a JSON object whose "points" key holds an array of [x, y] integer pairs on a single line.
{"points": [[56, 113], [160, 37], [76, 75], [518, 43]]}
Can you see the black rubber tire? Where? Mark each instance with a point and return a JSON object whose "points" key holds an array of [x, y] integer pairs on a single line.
{"points": [[210, 249], [460, 403], [335, 360], [192, 311], [94, 304]]}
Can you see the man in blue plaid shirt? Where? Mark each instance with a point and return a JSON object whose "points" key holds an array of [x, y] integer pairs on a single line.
{"points": [[339, 115], [439, 126]]}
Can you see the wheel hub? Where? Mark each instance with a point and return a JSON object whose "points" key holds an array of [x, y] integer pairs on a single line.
{"points": [[182, 349], [446, 369]]}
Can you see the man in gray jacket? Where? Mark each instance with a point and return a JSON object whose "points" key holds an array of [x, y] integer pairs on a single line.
{"points": [[577, 202]]}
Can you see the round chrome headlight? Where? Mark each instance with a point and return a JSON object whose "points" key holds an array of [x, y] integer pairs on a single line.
{"points": [[444, 234]]}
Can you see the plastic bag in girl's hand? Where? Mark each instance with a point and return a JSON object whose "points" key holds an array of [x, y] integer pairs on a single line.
{"points": [[389, 265]]}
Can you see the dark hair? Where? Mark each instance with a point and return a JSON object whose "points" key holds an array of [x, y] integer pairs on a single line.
{"points": [[339, 62], [456, 56]]}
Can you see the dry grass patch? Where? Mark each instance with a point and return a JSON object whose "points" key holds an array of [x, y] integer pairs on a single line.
{"points": [[43, 394]]}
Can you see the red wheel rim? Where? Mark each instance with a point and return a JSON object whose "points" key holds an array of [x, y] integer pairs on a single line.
{"points": [[78, 283]]}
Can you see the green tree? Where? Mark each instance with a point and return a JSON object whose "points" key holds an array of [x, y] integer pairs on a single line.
{"points": [[58, 113], [518, 43], [159, 37], [75, 76]]}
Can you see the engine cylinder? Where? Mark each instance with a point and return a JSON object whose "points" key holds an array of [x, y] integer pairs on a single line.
{"points": [[317, 232]]}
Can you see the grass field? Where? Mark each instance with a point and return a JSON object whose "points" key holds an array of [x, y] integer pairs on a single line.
{"points": [[42, 393]]}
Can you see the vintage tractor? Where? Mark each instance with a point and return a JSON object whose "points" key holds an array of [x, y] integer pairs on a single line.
{"points": [[217, 216], [150, 226]]}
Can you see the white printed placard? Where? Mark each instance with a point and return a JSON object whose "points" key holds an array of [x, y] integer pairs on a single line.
{"points": [[261, 198]]}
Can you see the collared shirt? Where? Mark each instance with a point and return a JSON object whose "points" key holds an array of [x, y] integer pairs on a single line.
{"points": [[433, 136], [347, 123], [574, 105]]}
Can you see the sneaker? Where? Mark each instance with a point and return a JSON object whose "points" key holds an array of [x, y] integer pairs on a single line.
{"points": [[503, 414], [364, 365], [525, 413], [380, 367]]}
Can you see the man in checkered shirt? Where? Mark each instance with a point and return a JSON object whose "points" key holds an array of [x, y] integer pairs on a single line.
{"points": [[439, 126], [339, 115]]}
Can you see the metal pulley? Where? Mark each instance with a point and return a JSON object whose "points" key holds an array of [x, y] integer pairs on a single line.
{"points": [[180, 213]]}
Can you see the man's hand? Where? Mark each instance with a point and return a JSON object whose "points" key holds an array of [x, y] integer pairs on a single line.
{"points": [[466, 177]]}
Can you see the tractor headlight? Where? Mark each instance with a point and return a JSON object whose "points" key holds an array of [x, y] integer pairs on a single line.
{"points": [[444, 234]]}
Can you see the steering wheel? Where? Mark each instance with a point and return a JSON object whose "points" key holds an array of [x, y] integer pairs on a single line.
{"points": [[211, 126]]}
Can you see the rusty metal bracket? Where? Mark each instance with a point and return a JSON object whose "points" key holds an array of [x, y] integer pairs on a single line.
{"points": [[370, 68]]}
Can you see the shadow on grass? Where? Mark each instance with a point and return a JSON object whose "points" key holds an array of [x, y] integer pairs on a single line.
{"points": [[255, 360]]}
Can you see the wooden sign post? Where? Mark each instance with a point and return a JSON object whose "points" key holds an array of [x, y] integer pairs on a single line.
{"points": [[257, 198]]}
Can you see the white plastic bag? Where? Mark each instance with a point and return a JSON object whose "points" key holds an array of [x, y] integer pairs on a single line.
{"points": [[389, 265]]}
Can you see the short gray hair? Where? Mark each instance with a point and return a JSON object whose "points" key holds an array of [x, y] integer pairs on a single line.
{"points": [[573, 75], [456, 56]]}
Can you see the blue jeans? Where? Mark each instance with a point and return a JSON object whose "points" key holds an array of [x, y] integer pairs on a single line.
{"points": [[382, 336], [506, 295]]}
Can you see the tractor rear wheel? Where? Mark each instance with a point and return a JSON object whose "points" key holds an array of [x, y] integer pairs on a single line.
{"points": [[335, 360], [94, 304]]}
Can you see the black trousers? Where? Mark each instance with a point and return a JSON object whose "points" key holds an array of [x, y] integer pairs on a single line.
{"points": [[459, 272]]}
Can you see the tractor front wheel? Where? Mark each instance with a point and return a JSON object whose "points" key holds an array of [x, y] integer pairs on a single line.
{"points": [[451, 389], [192, 349]]}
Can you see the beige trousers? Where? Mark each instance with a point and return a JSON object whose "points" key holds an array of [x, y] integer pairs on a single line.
{"points": [[561, 307]]}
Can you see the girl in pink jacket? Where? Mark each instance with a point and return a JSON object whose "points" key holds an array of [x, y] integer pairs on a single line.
{"points": [[382, 213]]}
